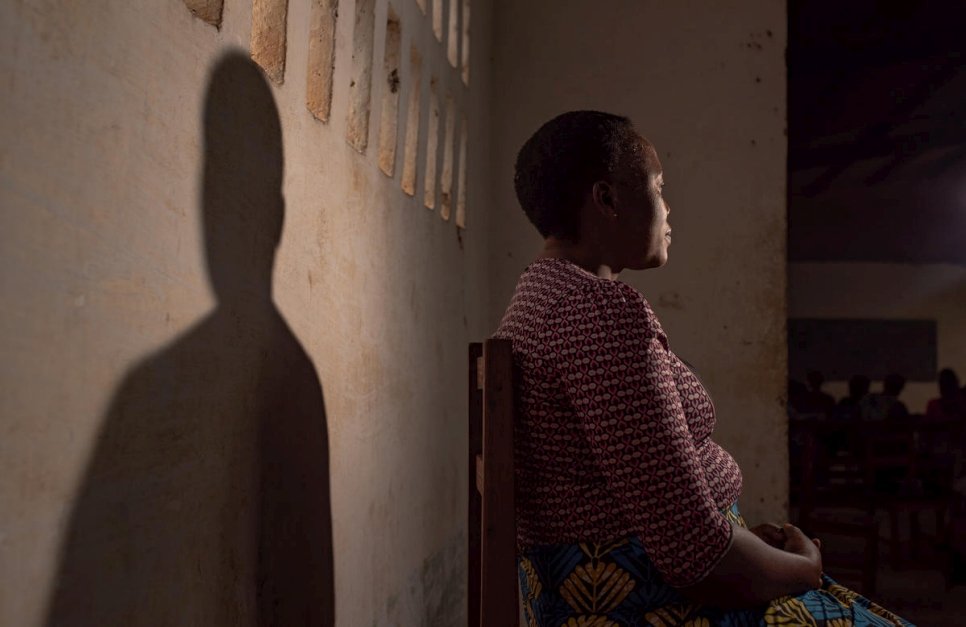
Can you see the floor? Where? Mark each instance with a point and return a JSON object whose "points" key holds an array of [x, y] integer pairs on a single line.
{"points": [[915, 587], [920, 596]]}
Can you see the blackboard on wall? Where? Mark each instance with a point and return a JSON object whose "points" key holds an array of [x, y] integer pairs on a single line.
{"points": [[840, 348]]}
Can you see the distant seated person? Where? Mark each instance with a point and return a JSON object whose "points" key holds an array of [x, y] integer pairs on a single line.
{"points": [[885, 404], [951, 404], [848, 407], [818, 400]]}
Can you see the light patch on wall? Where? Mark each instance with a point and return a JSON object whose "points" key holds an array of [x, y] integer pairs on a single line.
{"points": [[422, 6], [432, 143], [461, 181], [411, 146], [268, 37], [446, 182], [322, 23], [438, 19], [452, 36], [390, 97], [207, 10], [466, 43], [360, 89]]}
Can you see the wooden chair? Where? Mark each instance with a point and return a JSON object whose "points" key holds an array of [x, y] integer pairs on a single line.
{"points": [[493, 599], [900, 475], [841, 506]]}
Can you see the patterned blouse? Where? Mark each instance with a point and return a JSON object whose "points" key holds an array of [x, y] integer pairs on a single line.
{"points": [[614, 431]]}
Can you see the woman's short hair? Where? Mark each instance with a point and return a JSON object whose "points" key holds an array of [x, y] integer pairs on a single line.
{"points": [[948, 382], [557, 166]]}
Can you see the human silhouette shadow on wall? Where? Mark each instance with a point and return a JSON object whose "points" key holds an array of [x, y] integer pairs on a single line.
{"points": [[206, 500]]}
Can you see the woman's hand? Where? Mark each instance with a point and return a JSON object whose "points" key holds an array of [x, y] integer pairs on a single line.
{"points": [[774, 536], [771, 534], [752, 572], [810, 548]]}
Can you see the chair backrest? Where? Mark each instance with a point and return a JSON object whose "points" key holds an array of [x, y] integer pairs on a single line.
{"points": [[491, 528], [827, 480], [891, 445]]}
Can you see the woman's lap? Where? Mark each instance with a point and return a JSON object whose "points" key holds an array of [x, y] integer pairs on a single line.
{"points": [[615, 584]]}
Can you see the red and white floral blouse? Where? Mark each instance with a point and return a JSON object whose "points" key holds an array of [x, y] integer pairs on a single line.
{"points": [[614, 431]]}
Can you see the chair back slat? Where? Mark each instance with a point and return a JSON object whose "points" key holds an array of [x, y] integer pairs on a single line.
{"points": [[493, 591], [475, 506]]}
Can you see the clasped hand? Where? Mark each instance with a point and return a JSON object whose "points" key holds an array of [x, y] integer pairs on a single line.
{"points": [[780, 537], [790, 538]]}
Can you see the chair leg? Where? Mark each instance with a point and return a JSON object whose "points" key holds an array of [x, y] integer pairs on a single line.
{"points": [[871, 561], [874, 546], [894, 546], [941, 527], [915, 533]]}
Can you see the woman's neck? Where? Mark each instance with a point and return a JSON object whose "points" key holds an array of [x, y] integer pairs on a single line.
{"points": [[586, 257]]}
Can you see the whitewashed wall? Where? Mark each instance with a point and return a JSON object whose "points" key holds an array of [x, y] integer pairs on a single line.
{"points": [[134, 403]]}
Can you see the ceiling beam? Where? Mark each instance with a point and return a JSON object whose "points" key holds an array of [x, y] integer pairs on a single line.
{"points": [[877, 135]]}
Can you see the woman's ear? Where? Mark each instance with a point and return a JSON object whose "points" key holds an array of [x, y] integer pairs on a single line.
{"points": [[603, 196]]}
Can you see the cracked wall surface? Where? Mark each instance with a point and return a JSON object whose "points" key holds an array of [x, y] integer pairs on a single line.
{"points": [[231, 343], [207, 10]]}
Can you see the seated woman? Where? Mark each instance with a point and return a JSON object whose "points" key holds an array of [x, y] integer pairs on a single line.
{"points": [[626, 507], [951, 404], [949, 446]]}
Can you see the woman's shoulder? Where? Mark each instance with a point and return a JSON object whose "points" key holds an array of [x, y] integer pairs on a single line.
{"points": [[559, 293], [569, 278], [610, 302]]}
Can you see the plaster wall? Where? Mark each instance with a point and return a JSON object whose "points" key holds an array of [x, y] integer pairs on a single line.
{"points": [[887, 291], [705, 82], [137, 401]]}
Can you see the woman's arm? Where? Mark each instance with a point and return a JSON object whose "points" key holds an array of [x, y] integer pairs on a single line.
{"points": [[752, 573]]}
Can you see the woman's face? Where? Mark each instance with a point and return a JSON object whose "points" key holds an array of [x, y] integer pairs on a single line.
{"points": [[641, 233]]}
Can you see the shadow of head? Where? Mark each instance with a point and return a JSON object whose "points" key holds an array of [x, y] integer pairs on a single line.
{"points": [[242, 204], [206, 497]]}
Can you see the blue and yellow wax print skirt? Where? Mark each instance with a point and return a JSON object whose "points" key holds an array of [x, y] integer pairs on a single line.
{"points": [[615, 584]]}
